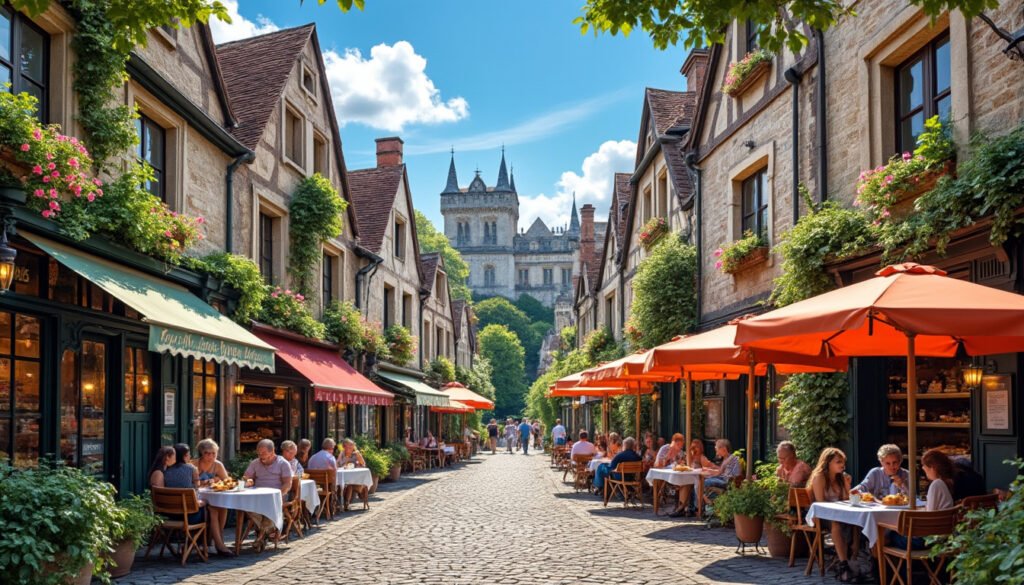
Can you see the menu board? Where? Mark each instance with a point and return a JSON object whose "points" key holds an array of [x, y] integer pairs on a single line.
{"points": [[996, 404]]}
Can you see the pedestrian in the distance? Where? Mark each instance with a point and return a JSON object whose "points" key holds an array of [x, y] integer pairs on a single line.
{"points": [[536, 435], [492, 436], [510, 435], [525, 428]]}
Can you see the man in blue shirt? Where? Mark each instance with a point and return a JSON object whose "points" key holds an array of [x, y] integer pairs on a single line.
{"points": [[605, 470], [524, 435]]}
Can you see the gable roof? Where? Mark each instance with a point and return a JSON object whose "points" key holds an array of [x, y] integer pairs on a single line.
{"points": [[429, 262], [669, 108], [210, 49], [373, 193], [620, 206], [538, 229], [255, 71]]}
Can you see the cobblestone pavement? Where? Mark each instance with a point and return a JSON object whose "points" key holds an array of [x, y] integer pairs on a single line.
{"points": [[502, 519]]}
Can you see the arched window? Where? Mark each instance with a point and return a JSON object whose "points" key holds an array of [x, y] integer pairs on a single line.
{"points": [[460, 238], [487, 233], [488, 275]]}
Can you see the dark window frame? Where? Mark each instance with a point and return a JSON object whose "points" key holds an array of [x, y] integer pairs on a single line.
{"points": [[19, 80], [145, 128], [327, 273], [202, 371], [266, 248], [751, 36], [399, 239], [758, 215], [931, 96]]}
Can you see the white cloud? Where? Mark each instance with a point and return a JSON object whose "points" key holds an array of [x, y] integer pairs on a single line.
{"points": [[594, 186], [389, 90], [240, 26]]}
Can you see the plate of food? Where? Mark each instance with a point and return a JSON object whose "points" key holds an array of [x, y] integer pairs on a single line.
{"points": [[682, 468], [895, 500], [867, 498], [224, 485]]}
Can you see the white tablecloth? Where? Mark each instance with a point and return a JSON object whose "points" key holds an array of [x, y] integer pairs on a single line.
{"points": [[867, 516], [310, 495], [449, 450], [265, 501], [673, 477], [595, 463], [356, 476]]}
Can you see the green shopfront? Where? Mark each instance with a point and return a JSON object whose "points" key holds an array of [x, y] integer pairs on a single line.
{"points": [[106, 354]]}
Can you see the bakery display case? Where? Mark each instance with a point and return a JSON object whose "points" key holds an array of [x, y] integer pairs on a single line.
{"points": [[261, 415]]}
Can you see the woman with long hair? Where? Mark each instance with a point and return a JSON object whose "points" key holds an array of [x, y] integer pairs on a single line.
{"points": [[164, 458], [830, 483], [939, 470], [212, 469]]}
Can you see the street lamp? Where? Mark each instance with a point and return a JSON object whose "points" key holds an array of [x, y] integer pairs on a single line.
{"points": [[7, 256], [972, 376]]}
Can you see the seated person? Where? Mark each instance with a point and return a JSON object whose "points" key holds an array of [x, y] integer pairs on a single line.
{"points": [[648, 453], [791, 470], [583, 446], [409, 440], [695, 455], [614, 445], [324, 458], [289, 450], [268, 470], [940, 471], [628, 453], [428, 441], [696, 460], [212, 469], [351, 457], [830, 483], [305, 446], [889, 478], [178, 472], [966, 481], [718, 478], [670, 453]]}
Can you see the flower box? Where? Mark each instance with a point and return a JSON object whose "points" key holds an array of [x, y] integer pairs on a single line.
{"points": [[924, 182], [745, 73], [652, 232], [753, 258]]}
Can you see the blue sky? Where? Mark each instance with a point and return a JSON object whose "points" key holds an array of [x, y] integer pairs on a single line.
{"points": [[475, 75]]}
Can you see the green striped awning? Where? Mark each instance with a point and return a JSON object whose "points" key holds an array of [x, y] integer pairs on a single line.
{"points": [[180, 323], [425, 395]]}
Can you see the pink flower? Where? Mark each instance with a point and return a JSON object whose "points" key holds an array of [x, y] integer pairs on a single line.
{"points": [[200, 220], [25, 147], [719, 252], [888, 179], [46, 179], [62, 138], [38, 193], [76, 189], [99, 192], [51, 166], [885, 213], [168, 234], [37, 134], [73, 162], [274, 295], [55, 174], [90, 197], [97, 182], [907, 156], [49, 156], [288, 291], [37, 170], [879, 169], [74, 140], [300, 297], [54, 205], [53, 193], [47, 213], [718, 264], [856, 202]]}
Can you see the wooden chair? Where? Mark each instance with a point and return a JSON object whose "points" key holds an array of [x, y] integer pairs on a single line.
{"points": [[557, 452], [418, 459], [799, 502], [178, 503], [985, 502], [325, 481], [292, 510], [581, 472], [630, 483], [917, 523]]}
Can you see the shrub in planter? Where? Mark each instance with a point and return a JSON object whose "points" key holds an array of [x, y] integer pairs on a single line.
{"points": [[401, 344], [778, 530], [343, 323], [747, 505], [136, 521], [374, 342], [652, 231], [399, 455], [286, 309], [241, 274], [736, 256], [56, 521]]}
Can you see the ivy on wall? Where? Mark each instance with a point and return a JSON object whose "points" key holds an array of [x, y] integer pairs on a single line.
{"points": [[664, 294], [314, 218]]}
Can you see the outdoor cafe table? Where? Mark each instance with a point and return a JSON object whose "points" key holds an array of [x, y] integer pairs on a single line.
{"points": [[659, 477], [265, 501], [865, 515], [309, 494], [354, 476], [595, 463]]}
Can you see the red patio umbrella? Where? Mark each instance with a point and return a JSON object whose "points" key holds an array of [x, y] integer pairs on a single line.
{"points": [[906, 310]]}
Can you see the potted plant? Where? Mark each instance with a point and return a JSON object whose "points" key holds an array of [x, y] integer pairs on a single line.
{"points": [[736, 257], [777, 529], [743, 73], [747, 505], [399, 455], [58, 525], [379, 463], [652, 231], [135, 524]]}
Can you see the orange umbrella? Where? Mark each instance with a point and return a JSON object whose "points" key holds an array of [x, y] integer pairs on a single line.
{"points": [[626, 369], [715, 351], [907, 310], [457, 391]]}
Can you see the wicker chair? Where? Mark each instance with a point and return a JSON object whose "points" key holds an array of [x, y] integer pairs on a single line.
{"points": [[919, 523], [178, 503], [630, 483]]}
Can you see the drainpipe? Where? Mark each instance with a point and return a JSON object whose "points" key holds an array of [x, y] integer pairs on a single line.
{"points": [[793, 77], [229, 182], [820, 115], [622, 301], [691, 164], [366, 272], [424, 295]]}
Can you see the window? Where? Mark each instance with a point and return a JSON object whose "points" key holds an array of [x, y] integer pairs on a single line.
{"points": [[609, 313], [489, 275], [19, 389], [205, 386], [336, 423], [389, 297], [439, 344], [152, 149], [662, 208], [524, 277], [491, 233], [922, 91], [321, 162], [566, 277], [751, 36], [463, 236], [136, 380], [407, 311], [293, 139], [754, 205], [309, 81], [328, 278], [648, 205], [549, 278], [399, 238], [266, 235], [22, 43]]}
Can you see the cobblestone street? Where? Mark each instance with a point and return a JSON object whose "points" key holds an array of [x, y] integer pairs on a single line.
{"points": [[497, 519]]}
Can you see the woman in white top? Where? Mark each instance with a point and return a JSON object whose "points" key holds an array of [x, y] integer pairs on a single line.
{"points": [[939, 469]]}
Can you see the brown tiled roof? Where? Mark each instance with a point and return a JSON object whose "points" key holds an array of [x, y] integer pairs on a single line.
{"points": [[373, 194], [675, 158], [428, 268], [668, 108], [458, 312], [620, 206], [255, 71]]}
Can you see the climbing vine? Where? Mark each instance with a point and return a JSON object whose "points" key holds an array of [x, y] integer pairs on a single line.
{"points": [[665, 299], [314, 218], [241, 274]]}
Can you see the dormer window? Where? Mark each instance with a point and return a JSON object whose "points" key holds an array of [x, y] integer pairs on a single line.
{"points": [[309, 81], [399, 238]]}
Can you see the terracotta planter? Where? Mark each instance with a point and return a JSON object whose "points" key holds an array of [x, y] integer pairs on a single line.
{"points": [[84, 576], [926, 181], [755, 75], [123, 557], [778, 543], [756, 256], [748, 528], [373, 488], [396, 472]]}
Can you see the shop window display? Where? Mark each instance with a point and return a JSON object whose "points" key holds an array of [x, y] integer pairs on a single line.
{"points": [[205, 388], [19, 388]]}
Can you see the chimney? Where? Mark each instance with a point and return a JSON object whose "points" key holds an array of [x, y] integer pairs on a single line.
{"points": [[695, 68], [389, 151], [587, 233]]}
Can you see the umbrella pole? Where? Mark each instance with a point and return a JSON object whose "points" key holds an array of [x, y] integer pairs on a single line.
{"points": [[689, 410], [605, 416], [638, 411], [912, 420], [750, 420]]}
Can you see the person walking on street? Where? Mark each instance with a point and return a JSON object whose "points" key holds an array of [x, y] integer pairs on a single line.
{"points": [[492, 436], [525, 428], [536, 435], [558, 433], [510, 435]]}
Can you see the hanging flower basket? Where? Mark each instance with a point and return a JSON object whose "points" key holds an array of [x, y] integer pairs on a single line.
{"points": [[744, 73], [742, 254], [652, 232]]}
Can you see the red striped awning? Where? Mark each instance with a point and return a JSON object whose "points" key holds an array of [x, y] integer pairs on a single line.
{"points": [[333, 380]]}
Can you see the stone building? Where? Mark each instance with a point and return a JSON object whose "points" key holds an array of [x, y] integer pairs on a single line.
{"points": [[438, 337], [465, 333], [482, 223]]}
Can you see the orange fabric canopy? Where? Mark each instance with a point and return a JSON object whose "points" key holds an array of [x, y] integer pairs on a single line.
{"points": [[872, 318], [460, 393], [629, 368], [454, 407]]}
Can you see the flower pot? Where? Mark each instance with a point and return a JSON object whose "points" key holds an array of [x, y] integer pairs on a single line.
{"points": [[373, 488], [748, 528], [123, 558], [396, 472], [778, 542], [84, 576], [752, 77], [753, 258]]}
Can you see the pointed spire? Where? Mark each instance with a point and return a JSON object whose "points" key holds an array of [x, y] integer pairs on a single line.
{"points": [[574, 219], [502, 184], [453, 179], [512, 178]]}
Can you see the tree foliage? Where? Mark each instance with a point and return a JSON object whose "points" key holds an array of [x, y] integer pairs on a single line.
{"points": [[502, 349], [431, 240], [812, 407], [699, 23], [664, 294], [499, 310], [534, 309]]}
